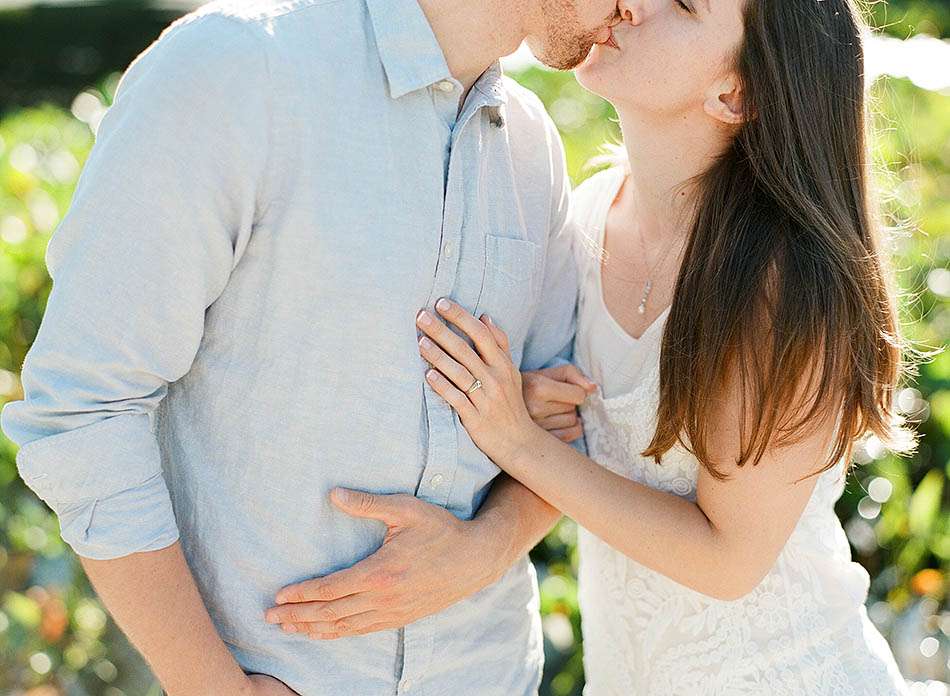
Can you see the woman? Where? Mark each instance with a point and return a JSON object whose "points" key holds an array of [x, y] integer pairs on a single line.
{"points": [[740, 325]]}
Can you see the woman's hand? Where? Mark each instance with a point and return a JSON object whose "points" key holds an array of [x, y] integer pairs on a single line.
{"points": [[494, 413], [552, 396]]}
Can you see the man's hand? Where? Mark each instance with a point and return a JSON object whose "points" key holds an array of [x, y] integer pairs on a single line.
{"points": [[552, 396], [428, 561]]}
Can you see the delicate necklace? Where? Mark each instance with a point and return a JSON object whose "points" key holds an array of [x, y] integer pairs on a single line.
{"points": [[648, 287]]}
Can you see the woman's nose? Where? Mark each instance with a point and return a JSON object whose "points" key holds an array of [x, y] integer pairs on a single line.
{"points": [[630, 11]]}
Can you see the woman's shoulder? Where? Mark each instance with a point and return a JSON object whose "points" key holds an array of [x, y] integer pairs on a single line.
{"points": [[588, 210], [590, 192]]}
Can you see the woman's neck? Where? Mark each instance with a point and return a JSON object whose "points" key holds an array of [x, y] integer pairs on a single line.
{"points": [[664, 155]]}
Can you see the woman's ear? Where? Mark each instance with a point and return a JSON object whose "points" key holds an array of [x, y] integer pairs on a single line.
{"points": [[724, 101]]}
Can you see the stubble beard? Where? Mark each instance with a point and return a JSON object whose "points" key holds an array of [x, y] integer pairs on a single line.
{"points": [[566, 43]]}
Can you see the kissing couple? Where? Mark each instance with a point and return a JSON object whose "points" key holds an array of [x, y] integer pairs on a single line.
{"points": [[332, 344]]}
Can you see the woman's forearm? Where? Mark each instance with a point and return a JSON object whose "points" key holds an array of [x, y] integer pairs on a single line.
{"points": [[722, 545], [662, 531]]}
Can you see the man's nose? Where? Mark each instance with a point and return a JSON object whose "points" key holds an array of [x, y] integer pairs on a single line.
{"points": [[617, 19]]}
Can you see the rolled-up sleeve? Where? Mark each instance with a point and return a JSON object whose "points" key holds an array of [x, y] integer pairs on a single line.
{"points": [[161, 214]]}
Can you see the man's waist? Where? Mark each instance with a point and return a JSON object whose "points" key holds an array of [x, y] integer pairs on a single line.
{"points": [[504, 614]]}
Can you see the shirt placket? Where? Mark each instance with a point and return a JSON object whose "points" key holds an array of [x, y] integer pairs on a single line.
{"points": [[438, 475]]}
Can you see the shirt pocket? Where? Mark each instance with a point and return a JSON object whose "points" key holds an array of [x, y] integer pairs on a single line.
{"points": [[511, 284]]}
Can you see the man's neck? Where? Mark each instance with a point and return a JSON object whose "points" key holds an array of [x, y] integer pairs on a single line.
{"points": [[473, 35]]}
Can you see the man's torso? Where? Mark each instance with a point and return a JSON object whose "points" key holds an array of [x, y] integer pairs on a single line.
{"points": [[308, 375]]}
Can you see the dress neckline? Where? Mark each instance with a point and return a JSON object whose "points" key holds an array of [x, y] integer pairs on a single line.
{"points": [[607, 201]]}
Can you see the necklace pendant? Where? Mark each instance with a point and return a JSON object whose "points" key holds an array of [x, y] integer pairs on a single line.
{"points": [[642, 309]]}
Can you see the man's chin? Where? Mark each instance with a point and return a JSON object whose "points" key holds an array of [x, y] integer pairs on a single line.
{"points": [[563, 60]]}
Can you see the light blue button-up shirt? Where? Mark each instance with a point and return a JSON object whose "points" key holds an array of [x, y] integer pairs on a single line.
{"points": [[276, 191]]}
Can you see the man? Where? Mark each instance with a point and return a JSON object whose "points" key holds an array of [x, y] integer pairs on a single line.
{"points": [[276, 191]]}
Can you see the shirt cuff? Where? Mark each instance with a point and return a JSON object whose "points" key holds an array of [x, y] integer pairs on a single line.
{"points": [[104, 481], [133, 520], [91, 461]]}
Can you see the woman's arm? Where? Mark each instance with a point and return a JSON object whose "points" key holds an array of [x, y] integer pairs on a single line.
{"points": [[722, 545]]}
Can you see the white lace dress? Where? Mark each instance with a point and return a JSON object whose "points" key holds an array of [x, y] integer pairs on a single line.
{"points": [[803, 631]]}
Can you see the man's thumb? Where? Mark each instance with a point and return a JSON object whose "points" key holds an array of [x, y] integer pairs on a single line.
{"points": [[384, 508], [571, 375]]}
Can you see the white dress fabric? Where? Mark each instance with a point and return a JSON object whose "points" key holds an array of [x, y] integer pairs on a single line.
{"points": [[804, 631]]}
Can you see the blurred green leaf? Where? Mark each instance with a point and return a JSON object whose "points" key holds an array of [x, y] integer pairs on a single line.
{"points": [[925, 504], [22, 609]]}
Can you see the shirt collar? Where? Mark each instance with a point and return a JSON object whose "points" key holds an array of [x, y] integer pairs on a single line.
{"points": [[408, 49], [491, 84], [411, 55]]}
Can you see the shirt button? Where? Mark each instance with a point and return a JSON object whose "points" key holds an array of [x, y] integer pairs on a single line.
{"points": [[436, 480], [448, 250], [445, 86]]}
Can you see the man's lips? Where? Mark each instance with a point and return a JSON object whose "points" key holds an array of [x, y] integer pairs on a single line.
{"points": [[609, 41]]}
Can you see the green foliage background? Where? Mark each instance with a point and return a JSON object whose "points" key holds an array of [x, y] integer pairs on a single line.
{"points": [[55, 637]]}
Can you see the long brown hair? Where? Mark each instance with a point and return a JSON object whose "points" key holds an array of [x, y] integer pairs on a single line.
{"points": [[783, 286]]}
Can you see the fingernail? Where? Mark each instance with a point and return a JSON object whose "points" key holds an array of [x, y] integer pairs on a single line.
{"points": [[489, 320], [443, 305], [423, 318], [425, 343], [341, 494]]}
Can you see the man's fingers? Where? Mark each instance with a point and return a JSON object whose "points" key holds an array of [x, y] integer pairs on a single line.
{"points": [[392, 509], [564, 392], [559, 422], [540, 388], [372, 628], [570, 374], [326, 612], [361, 577], [324, 630], [367, 625], [569, 434]]}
